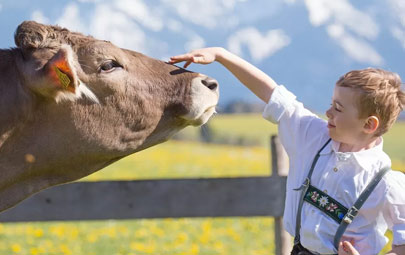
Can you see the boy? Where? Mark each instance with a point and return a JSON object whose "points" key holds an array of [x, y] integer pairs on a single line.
{"points": [[365, 104]]}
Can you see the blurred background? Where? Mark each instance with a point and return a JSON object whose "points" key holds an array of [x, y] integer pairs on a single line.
{"points": [[304, 44]]}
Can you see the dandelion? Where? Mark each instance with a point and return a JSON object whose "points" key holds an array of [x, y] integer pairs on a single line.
{"points": [[181, 239], [65, 249], [16, 248], [92, 238], [34, 251], [58, 230], [149, 249], [38, 232], [234, 235], [195, 249]]}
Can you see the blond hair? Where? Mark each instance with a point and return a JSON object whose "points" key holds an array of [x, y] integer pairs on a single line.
{"points": [[380, 95]]}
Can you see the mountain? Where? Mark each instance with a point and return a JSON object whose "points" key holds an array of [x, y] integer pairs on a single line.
{"points": [[305, 45]]}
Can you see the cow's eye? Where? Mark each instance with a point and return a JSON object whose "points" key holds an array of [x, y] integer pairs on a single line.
{"points": [[109, 66]]}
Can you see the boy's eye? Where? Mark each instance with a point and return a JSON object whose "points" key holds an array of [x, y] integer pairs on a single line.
{"points": [[335, 108]]}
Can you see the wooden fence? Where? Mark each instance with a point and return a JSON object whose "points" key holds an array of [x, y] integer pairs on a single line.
{"points": [[168, 198]]}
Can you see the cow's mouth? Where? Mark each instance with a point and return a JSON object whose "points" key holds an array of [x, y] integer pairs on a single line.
{"points": [[200, 119], [204, 96], [207, 114]]}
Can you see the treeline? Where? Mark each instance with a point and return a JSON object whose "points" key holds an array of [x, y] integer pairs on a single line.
{"points": [[241, 107], [207, 134]]}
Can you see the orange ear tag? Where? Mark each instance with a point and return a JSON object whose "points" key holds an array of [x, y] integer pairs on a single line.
{"points": [[63, 78]]}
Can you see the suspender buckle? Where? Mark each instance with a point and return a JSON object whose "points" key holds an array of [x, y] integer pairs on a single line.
{"points": [[350, 215], [305, 185], [306, 182]]}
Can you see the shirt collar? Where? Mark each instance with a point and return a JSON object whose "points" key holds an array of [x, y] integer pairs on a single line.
{"points": [[367, 159]]}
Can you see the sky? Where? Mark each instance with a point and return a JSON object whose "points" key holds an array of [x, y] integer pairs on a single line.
{"points": [[305, 45]]}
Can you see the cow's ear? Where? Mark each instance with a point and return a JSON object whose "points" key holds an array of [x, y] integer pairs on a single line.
{"points": [[58, 79], [32, 35]]}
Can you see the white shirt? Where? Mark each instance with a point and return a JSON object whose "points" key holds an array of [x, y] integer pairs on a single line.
{"points": [[342, 176]]}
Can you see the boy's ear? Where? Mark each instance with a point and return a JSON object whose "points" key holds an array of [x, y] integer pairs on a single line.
{"points": [[58, 78], [371, 125]]}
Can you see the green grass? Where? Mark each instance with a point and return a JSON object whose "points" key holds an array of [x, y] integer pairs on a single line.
{"points": [[175, 159], [237, 236]]}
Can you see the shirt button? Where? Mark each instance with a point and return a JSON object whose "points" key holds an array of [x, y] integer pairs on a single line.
{"points": [[335, 169]]}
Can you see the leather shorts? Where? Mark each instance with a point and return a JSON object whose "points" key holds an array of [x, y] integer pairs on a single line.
{"points": [[298, 249]]}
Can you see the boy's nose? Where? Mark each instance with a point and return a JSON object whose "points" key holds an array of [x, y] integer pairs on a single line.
{"points": [[328, 114]]}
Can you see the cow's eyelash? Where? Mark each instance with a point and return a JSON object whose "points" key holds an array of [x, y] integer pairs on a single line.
{"points": [[109, 66]]}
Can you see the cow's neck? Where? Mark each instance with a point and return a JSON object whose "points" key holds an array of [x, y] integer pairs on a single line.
{"points": [[15, 103], [30, 162]]}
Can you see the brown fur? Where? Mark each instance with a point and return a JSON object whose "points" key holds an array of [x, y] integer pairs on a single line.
{"points": [[44, 143]]}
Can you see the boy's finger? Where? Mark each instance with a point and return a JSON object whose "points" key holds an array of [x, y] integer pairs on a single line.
{"points": [[182, 57], [187, 63], [174, 61], [341, 248], [348, 247]]}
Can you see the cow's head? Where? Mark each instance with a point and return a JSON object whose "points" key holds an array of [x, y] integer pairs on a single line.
{"points": [[89, 103]]}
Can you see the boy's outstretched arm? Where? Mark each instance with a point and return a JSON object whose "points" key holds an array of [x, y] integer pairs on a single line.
{"points": [[252, 77]]}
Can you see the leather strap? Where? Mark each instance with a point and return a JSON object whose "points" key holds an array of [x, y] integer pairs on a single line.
{"points": [[357, 205], [304, 187], [325, 203]]}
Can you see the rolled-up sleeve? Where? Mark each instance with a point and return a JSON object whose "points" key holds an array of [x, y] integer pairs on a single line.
{"points": [[395, 207], [281, 100], [297, 125]]}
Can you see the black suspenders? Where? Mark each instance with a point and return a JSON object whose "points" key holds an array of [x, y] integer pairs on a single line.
{"points": [[304, 188], [349, 213]]}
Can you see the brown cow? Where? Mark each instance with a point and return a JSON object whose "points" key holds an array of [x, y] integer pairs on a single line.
{"points": [[71, 105]]}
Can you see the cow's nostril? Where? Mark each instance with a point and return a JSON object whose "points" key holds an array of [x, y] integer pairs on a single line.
{"points": [[210, 83]]}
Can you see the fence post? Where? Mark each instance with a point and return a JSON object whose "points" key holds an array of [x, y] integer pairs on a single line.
{"points": [[279, 165]]}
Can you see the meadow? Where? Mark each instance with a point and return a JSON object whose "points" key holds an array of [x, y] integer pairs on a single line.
{"points": [[191, 236]]}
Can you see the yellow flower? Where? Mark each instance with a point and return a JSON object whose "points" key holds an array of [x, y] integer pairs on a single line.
{"points": [[58, 231], [65, 249], [235, 236], [34, 251], [219, 246], [149, 249], [16, 248], [92, 238], [38, 232], [205, 237], [181, 239], [195, 249], [141, 233], [74, 233]]}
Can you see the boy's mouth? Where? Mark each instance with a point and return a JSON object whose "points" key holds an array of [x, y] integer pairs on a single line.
{"points": [[331, 126]]}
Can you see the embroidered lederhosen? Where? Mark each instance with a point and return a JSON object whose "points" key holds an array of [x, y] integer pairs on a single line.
{"points": [[329, 205]]}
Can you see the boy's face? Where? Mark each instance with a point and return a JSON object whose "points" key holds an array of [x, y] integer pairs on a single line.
{"points": [[344, 123]]}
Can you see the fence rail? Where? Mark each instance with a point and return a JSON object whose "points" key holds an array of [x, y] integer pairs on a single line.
{"points": [[169, 198]]}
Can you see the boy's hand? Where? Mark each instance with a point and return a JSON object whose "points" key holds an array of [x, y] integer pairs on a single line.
{"points": [[346, 247], [200, 56]]}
